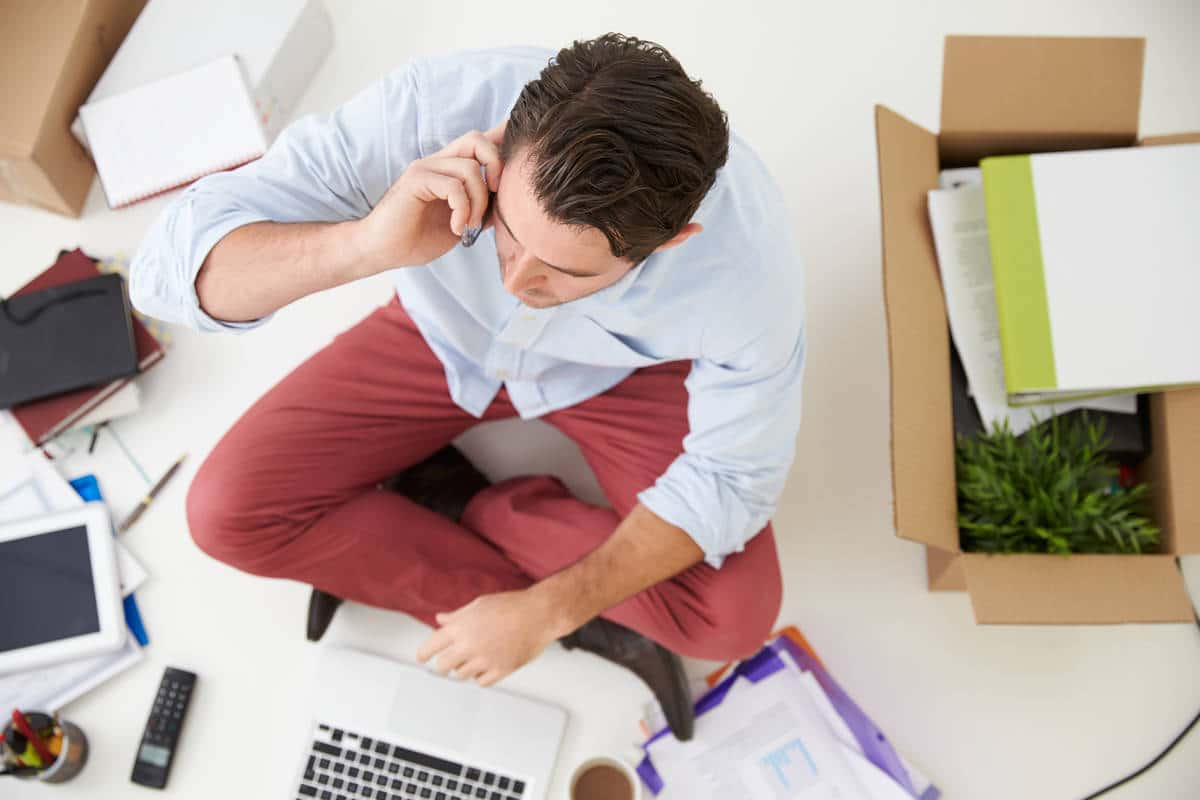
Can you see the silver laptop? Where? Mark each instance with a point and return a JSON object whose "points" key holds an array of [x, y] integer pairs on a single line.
{"points": [[382, 730]]}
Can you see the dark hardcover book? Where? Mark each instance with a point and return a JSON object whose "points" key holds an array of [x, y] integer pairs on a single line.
{"points": [[65, 338], [45, 418]]}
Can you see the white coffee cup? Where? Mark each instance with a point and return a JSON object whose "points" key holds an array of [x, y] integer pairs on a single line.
{"points": [[592, 781]]}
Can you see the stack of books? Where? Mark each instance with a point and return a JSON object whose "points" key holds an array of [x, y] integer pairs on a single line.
{"points": [[104, 394], [1071, 278]]}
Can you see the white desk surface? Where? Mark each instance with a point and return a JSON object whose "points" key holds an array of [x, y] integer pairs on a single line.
{"points": [[1001, 712]]}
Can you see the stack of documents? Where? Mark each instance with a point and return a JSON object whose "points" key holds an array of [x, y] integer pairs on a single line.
{"points": [[30, 486], [1073, 275], [1095, 256], [779, 727], [958, 216]]}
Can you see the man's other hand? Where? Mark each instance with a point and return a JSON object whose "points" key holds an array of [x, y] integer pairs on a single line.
{"points": [[490, 637]]}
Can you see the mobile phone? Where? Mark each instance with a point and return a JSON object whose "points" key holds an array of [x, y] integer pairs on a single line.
{"points": [[471, 233]]}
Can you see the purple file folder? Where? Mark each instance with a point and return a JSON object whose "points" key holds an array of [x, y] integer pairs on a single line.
{"points": [[766, 663]]}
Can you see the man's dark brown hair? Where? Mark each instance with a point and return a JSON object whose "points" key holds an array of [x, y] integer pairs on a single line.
{"points": [[619, 139]]}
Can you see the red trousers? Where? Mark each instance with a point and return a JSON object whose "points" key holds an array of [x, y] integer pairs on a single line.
{"points": [[291, 491]]}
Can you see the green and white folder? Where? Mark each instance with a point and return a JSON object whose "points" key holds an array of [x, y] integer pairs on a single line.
{"points": [[1096, 264]]}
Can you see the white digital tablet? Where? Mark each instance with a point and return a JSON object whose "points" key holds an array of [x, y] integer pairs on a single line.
{"points": [[60, 596]]}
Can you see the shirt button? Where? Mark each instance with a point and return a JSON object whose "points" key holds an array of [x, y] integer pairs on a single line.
{"points": [[528, 317], [501, 374]]}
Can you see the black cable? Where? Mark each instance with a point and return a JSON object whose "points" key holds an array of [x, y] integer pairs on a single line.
{"points": [[1157, 758], [1169, 747]]}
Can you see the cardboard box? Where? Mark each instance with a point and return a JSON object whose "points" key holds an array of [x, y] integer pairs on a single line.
{"points": [[1016, 95], [51, 55], [280, 44]]}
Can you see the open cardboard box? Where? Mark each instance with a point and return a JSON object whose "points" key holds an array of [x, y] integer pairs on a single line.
{"points": [[1017, 95]]}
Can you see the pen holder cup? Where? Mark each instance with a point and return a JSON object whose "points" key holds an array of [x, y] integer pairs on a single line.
{"points": [[71, 759]]}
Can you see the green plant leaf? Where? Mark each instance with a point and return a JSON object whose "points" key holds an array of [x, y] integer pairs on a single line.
{"points": [[1047, 491]]}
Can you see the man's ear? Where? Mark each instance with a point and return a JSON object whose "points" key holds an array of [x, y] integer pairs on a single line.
{"points": [[685, 233]]}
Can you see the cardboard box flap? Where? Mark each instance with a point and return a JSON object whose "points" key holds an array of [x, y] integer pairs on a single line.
{"points": [[1173, 468], [1045, 589], [918, 337], [944, 571], [38, 37], [1015, 94]]}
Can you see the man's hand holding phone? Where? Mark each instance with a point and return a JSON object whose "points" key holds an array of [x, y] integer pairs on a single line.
{"points": [[428, 209]]}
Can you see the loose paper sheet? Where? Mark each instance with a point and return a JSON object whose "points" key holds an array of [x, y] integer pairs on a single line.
{"points": [[765, 740], [30, 485], [50, 688]]}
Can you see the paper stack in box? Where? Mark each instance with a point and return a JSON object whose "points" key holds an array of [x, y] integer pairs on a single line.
{"points": [[1069, 278], [958, 218], [1096, 257]]}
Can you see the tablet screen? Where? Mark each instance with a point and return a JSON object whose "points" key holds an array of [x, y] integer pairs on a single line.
{"points": [[46, 588]]}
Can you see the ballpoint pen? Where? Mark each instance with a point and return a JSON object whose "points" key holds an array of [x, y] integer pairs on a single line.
{"points": [[149, 498]]}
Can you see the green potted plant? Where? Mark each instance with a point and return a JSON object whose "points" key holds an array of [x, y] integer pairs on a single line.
{"points": [[1050, 490]]}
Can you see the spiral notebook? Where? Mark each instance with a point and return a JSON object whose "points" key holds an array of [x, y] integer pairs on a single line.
{"points": [[172, 131]]}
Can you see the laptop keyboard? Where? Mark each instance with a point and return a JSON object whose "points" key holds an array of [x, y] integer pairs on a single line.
{"points": [[342, 765]]}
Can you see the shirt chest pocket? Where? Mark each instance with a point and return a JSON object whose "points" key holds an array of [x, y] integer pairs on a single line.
{"points": [[585, 341]]}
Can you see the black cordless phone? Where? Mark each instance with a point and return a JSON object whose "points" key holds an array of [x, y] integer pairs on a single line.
{"points": [[157, 749]]}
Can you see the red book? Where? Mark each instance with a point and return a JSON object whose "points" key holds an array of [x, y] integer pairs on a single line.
{"points": [[46, 418]]}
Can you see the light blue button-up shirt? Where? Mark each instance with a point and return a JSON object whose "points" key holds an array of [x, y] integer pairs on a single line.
{"points": [[730, 299]]}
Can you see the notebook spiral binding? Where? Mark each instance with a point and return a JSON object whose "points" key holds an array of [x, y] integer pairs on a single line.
{"points": [[225, 167]]}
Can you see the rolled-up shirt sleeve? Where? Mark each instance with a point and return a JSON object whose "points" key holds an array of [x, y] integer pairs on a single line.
{"points": [[322, 168], [744, 403]]}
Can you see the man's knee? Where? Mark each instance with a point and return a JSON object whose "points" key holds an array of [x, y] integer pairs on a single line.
{"points": [[740, 615], [219, 513]]}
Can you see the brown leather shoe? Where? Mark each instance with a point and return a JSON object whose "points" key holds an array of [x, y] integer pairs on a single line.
{"points": [[658, 667], [444, 483], [321, 606]]}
